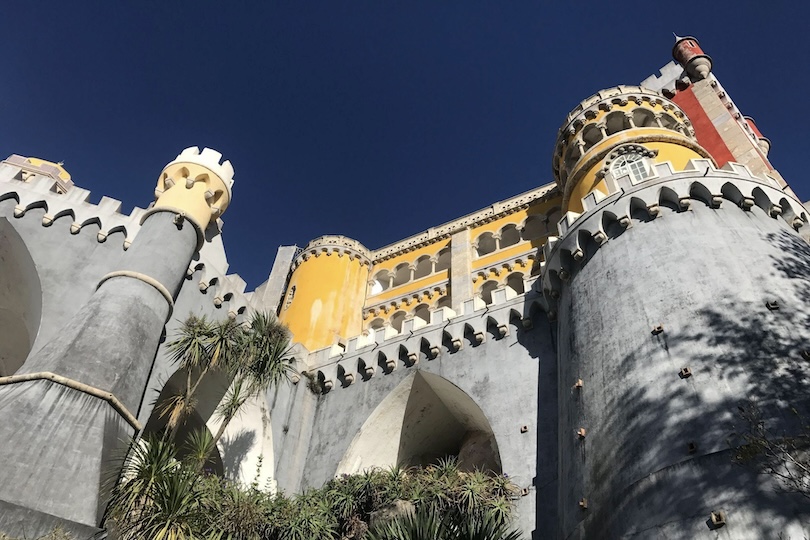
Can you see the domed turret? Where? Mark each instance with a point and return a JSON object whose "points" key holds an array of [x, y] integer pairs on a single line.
{"points": [[619, 131], [687, 52], [326, 292]]}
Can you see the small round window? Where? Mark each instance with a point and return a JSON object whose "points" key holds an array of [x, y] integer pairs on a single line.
{"points": [[630, 163]]}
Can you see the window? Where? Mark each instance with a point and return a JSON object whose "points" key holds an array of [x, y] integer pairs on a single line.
{"points": [[631, 163]]}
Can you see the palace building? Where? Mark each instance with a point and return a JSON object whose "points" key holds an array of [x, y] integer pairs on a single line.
{"points": [[593, 338]]}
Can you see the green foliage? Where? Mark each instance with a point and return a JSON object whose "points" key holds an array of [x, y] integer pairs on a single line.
{"points": [[429, 524], [162, 497]]}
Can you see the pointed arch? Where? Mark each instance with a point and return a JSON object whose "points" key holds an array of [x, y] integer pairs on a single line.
{"points": [[732, 193], [424, 419], [701, 193], [20, 300], [668, 199]]}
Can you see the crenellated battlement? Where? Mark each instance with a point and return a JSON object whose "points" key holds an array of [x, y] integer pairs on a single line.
{"points": [[379, 352], [580, 234]]}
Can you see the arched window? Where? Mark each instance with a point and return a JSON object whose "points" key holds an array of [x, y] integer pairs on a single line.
{"points": [[376, 324], [644, 118], [486, 244], [402, 274], [381, 282], [423, 267], [486, 291], [443, 260], [515, 282], [422, 311], [534, 228], [591, 135], [509, 236], [397, 319], [631, 163], [616, 121], [444, 302]]}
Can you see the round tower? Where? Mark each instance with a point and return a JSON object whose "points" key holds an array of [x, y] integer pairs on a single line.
{"points": [[589, 144], [687, 52], [327, 289], [679, 300]]}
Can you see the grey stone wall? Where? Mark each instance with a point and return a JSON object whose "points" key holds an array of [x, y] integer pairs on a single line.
{"points": [[656, 457], [511, 378]]}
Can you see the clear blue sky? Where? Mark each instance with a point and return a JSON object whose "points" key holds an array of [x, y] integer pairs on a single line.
{"points": [[371, 119]]}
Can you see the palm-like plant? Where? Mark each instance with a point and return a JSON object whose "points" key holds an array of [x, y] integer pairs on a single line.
{"points": [[200, 346], [156, 495], [252, 354], [429, 524], [256, 363]]}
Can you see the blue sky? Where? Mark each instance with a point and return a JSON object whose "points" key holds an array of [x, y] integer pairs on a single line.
{"points": [[371, 119]]}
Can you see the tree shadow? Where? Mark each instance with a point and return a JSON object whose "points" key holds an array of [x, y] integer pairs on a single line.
{"points": [[655, 456], [234, 451]]}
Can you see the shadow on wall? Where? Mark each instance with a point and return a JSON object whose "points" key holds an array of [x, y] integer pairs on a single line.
{"points": [[536, 334], [684, 427], [235, 448]]}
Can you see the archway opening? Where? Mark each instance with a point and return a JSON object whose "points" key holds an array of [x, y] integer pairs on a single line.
{"points": [[207, 397], [20, 300], [424, 419]]}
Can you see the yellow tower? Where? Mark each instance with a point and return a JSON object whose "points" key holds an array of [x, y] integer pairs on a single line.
{"points": [[620, 130], [327, 290], [197, 186]]}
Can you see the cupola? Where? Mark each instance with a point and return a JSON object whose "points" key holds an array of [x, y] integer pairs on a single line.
{"points": [[619, 131]]}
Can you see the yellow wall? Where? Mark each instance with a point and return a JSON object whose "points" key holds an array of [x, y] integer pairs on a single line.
{"points": [[328, 301], [678, 155]]}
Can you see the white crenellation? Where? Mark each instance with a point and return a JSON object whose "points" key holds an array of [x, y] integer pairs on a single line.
{"points": [[39, 192], [208, 158], [700, 182], [375, 354]]}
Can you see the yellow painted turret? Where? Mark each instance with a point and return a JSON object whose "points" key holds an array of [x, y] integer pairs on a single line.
{"points": [[327, 290], [622, 130], [195, 185]]}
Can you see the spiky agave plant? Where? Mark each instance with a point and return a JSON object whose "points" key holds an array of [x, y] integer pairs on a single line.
{"points": [[429, 524], [155, 497]]}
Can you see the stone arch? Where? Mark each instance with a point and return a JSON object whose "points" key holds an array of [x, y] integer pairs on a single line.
{"points": [[701, 193], [486, 291], [591, 135], [424, 419], [534, 227], [485, 244], [443, 259], [510, 235], [616, 121], [20, 300], [423, 267], [761, 199], [669, 199], [515, 282], [381, 282], [732, 193], [402, 274], [422, 311], [444, 301], [397, 319], [644, 118], [210, 392]]}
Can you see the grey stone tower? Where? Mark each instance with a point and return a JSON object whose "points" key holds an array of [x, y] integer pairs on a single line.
{"points": [[680, 293], [69, 412]]}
